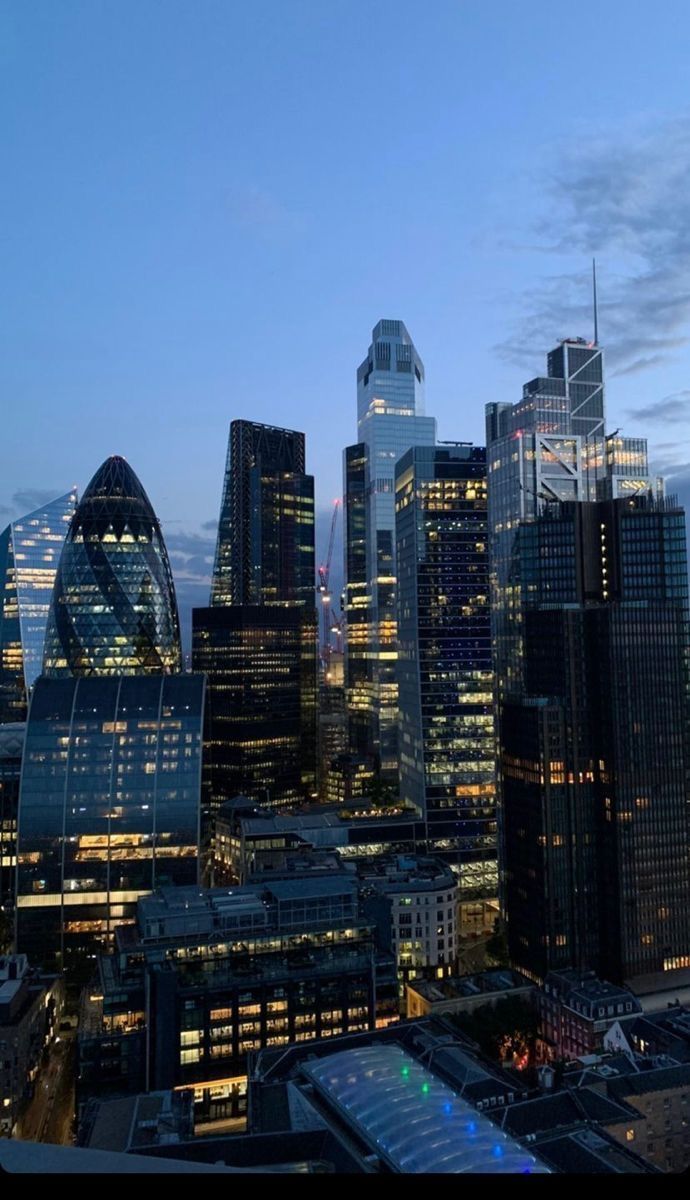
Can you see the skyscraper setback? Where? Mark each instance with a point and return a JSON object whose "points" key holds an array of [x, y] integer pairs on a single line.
{"points": [[390, 419]]}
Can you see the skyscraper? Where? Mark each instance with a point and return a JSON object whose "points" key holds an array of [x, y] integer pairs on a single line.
{"points": [[30, 549], [589, 589], [257, 643], [113, 610], [447, 750], [108, 808], [595, 753], [390, 408], [265, 546], [260, 661]]}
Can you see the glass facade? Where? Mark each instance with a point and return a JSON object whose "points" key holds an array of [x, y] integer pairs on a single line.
{"points": [[390, 407], [261, 725], [113, 610], [265, 547], [447, 740], [108, 810], [30, 550], [595, 754]]}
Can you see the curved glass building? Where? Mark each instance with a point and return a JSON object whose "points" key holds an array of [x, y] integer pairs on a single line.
{"points": [[113, 610]]}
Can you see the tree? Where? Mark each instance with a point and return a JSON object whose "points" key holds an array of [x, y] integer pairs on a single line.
{"points": [[497, 945]]}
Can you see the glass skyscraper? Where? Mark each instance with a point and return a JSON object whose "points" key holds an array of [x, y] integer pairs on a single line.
{"points": [[261, 731], [30, 550], [257, 643], [108, 808], [265, 547], [447, 748], [595, 752], [390, 408], [113, 609], [589, 622]]}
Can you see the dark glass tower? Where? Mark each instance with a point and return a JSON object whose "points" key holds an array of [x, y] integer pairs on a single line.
{"points": [[265, 547], [390, 419], [108, 808], [260, 661], [257, 643], [113, 610], [30, 550], [595, 752], [447, 751]]}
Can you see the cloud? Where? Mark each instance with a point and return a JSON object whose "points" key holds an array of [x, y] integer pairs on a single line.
{"points": [[624, 198], [28, 499], [211, 526], [673, 408]]}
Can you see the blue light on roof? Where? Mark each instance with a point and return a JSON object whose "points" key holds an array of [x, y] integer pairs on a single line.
{"points": [[413, 1120]]}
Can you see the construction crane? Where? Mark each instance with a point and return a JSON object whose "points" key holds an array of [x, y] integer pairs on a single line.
{"points": [[324, 576]]}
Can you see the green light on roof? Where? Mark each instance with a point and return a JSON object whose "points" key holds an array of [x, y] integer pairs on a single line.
{"points": [[405, 1072], [425, 1088]]}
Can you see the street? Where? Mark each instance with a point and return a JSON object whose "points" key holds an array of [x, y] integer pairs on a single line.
{"points": [[48, 1117]]}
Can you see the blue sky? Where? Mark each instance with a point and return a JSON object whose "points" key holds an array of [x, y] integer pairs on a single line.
{"points": [[207, 205]]}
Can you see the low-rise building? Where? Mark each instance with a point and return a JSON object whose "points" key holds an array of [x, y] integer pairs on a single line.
{"points": [[414, 901], [204, 977], [420, 1098], [466, 993], [30, 1007], [577, 1009]]}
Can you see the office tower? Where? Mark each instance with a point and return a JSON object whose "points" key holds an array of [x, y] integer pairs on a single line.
{"points": [[261, 665], [588, 600], [257, 643], [390, 407], [447, 739], [113, 610], [30, 549], [265, 546], [108, 808], [595, 753], [11, 750], [549, 446]]}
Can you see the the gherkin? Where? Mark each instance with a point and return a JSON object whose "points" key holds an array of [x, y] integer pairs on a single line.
{"points": [[113, 610]]}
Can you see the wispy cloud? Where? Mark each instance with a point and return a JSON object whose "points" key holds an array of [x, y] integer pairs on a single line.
{"points": [[624, 198], [672, 409], [28, 499]]}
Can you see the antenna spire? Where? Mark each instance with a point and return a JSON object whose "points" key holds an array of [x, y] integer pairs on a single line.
{"points": [[594, 297]]}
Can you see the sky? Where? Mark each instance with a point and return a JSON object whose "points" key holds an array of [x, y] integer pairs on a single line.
{"points": [[207, 205]]}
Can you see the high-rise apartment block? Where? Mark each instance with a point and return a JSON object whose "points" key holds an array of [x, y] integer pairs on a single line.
{"points": [[447, 746], [390, 419]]}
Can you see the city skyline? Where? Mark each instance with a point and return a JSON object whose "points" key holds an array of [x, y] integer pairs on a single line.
{"points": [[163, 267]]}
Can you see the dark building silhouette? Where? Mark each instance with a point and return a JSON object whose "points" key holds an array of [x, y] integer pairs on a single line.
{"points": [[261, 663], [595, 753], [265, 546], [257, 643]]}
